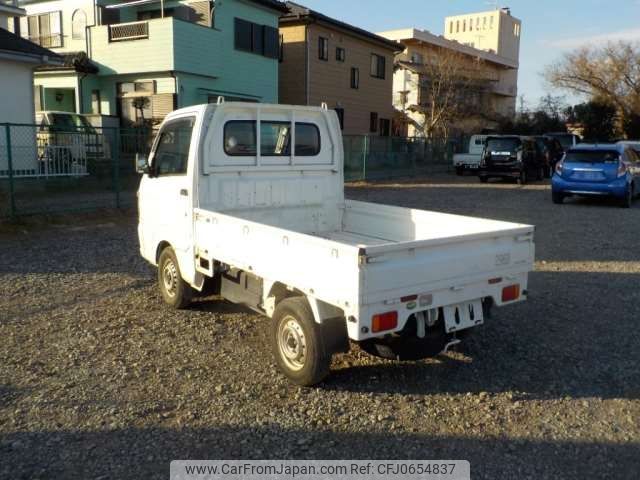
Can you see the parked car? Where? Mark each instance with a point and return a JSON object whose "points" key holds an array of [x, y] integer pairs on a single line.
{"points": [[68, 143], [567, 140], [597, 170], [511, 156], [552, 152], [471, 160], [249, 198]]}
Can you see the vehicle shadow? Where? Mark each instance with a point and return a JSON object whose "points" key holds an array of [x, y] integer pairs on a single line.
{"points": [[546, 348], [135, 453]]}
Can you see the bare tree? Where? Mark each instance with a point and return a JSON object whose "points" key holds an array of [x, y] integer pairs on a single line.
{"points": [[450, 86], [609, 74]]}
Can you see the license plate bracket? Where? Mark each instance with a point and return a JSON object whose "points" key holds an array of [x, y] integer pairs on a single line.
{"points": [[463, 315]]}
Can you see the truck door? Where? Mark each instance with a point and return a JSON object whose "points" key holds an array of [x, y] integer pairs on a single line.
{"points": [[166, 193]]}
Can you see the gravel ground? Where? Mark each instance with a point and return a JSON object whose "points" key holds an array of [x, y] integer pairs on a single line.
{"points": [[98, 380]]}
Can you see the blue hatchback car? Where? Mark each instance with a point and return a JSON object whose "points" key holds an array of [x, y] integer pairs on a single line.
{"points": [[611, 170]]}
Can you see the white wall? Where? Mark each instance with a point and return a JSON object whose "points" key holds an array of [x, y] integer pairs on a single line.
{"points": [[16, 85]]}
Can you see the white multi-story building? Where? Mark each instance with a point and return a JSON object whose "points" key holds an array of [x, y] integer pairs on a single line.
{"points": [[490, 39]]}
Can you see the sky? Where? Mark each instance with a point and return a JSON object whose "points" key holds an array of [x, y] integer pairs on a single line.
{"points": [[549, 28]]}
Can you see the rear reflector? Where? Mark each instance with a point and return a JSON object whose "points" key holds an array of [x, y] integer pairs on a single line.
{"points": [[509, 294], [409, 298], [384, 321], [493, 281]]}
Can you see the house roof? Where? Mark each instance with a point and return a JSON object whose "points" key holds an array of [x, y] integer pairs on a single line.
{"points": [[299, 13], [274, 4], [74, 61], [13, 44], [409, 35]]}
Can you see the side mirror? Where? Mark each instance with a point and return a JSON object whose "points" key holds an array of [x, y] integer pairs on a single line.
{"points": [[142, 163]]}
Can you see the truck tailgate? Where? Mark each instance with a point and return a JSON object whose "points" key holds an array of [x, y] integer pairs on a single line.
{"points": [[428, 251]]}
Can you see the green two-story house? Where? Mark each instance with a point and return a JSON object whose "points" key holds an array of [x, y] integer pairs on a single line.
{"points": [[140, 59]]}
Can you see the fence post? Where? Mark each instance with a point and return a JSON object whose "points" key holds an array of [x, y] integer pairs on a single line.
{"points": [[364, 157], [116, 166], [12, 199]]}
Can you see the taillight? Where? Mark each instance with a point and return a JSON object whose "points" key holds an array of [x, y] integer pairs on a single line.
{"points": [[511, 293], [384, 321], [559, 167], [622, 169]]}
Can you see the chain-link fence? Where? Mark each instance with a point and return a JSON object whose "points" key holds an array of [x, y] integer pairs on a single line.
{"points": [[376, 158], [46, 169]]}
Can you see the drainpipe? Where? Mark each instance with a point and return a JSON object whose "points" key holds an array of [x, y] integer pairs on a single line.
{"points": [[306, 61], [176, 87]]}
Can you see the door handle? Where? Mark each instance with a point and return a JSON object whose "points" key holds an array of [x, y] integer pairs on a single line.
{"points": [[184, 192]]}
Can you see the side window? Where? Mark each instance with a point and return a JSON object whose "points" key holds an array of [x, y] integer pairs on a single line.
{"points": [[171, 155], [307, 140], [240, 138]]}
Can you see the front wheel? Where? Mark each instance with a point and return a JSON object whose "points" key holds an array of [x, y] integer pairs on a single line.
{"points": [[628, 198], [175, 291], [297, 343], [557, 198], [522, 177], [484, 179], [459, 170]]}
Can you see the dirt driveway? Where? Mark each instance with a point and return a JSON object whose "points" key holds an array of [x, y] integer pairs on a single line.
{"points": [[99, 380]]}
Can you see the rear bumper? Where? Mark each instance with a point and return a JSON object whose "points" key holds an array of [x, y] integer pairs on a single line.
{"points": [[615, 188], [500, 171]]}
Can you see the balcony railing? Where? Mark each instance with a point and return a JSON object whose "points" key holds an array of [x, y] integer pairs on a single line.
{"points": [[47, 41], [128, 31]]}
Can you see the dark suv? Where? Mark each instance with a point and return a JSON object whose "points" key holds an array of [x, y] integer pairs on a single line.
{"points": [[511, 156]]}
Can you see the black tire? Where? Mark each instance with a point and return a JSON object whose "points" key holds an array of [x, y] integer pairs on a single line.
{"points": [[548, 171], [175, 291], [406, 346], [297, 343], [484, 179], [628, 198], [522, 177], [459, 170], [557, 198], [540, 173]]}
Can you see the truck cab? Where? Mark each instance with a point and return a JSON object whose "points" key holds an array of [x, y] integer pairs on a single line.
{"points": [[247, 200]]}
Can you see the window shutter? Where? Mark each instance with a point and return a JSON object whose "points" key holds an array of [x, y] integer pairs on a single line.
{"points": [[257, 35], [242, 35], [271, 42], [55, 19], [24, 27]]}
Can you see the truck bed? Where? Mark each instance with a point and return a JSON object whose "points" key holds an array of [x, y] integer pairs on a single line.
{"points": [[381, 253]]}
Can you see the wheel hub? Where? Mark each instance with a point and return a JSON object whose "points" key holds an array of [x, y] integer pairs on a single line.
{"points": [[292, 343], [170, 278]]}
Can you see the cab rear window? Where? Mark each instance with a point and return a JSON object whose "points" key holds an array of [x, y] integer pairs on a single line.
{"points": [[240, 139], [586, 156]]}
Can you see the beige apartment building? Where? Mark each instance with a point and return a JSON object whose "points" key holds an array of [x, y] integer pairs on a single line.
{"points": [[324, 60], [488, 41]]}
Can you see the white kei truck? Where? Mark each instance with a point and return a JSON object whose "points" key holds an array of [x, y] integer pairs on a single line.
{"points": [[246, 201], [471, 160]]}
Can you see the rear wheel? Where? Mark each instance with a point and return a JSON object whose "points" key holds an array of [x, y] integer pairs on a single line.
{"points": [[522, 177], [459, 170], [175, 291], [297, 343], [557, 198], [540, 173], [484, 179]]}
